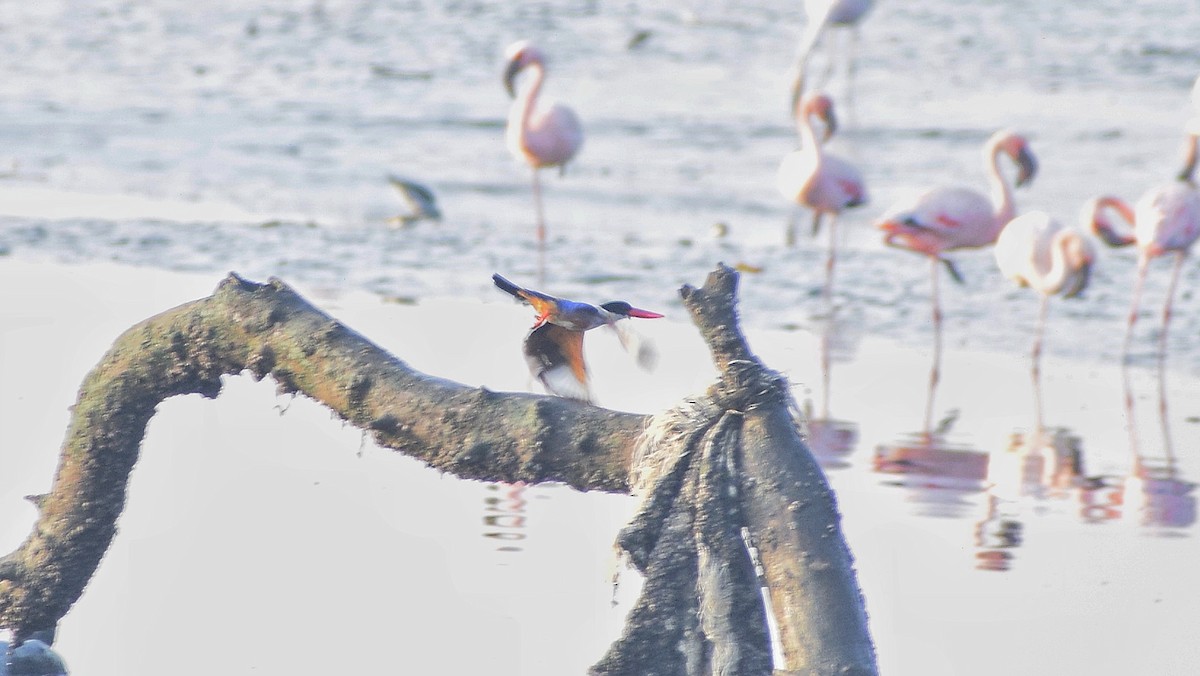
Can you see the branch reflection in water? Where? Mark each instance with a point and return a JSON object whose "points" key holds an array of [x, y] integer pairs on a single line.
{"points": [[504, 515]]}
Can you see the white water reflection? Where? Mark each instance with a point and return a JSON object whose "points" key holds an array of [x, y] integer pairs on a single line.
{"points": [[302, 514]]}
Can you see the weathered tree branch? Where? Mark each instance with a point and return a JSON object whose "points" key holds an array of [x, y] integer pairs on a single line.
{"points": [[739, 464], [268, 329]]}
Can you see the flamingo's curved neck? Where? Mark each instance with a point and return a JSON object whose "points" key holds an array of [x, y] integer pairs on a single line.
{"points": [[808, 135], [527, 99], [1056, 276], [1103, 228], [1001, 192]]}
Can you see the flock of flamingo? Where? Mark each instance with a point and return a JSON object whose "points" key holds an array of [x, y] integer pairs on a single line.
{"points": [[1033, 249]]}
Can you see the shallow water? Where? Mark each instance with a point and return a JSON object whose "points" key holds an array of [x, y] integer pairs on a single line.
{"points": [[256, 137], [294, 114]]}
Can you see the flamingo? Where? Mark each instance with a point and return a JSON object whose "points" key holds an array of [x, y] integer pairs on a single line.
{"points": [[821, 181], [1037, 251], [822, 14], [948, 218], [541, 133], [1165, 219]]}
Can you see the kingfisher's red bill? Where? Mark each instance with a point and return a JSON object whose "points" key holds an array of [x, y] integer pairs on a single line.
{"points": [[554, 347]]}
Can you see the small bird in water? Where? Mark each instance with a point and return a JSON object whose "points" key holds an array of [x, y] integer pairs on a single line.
{"points": [[554, 347], [422, 205]]}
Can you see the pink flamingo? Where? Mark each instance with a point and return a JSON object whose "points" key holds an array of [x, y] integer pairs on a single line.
{"points": [[821, 181], [542, 133], [948, 218], [1165, 219], [821, 15], [1037, 251]]}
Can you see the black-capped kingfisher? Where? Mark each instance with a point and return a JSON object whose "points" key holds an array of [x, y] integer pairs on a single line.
{"points": [[554, 347]]}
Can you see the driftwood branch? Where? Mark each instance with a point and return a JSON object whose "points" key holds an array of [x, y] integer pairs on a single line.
{"points": [[269, 330], [741, 467]]}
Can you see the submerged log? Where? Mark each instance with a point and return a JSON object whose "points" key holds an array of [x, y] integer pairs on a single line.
{"points": [[755, 453]]}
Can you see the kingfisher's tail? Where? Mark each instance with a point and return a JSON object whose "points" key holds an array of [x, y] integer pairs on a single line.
{"points": [[507, 287]]}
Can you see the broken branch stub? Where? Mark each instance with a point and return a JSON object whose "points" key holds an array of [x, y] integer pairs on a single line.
{"points": [[731, 458]]}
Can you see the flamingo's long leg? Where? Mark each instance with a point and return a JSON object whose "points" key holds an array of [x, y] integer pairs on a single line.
{"points": [[1038, 333], [1143, 264], [1036, 358], [541, 227], [935, 370], [1166, 314], [830, 262]]}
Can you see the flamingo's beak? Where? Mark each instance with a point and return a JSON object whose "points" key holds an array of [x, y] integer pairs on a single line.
{"points": [[889, 226], [1192, 158], [1095, 219], [1105, 232], [830, 120], [643, 314], [510, 76], [1079, 281], [1027, 165]]}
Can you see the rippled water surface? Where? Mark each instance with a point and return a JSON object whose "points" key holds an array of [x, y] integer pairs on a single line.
{"points": [[256, 136], [295, 113]]}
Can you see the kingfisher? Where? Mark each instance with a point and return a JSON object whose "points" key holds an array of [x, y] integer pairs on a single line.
{"points": [[554, 347]]}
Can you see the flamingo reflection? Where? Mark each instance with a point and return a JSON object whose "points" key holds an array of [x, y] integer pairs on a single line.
{"points": [[1043, 463], [948, 481], [829, 439], [1154, 491], [941, 472], [930, 461]]}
